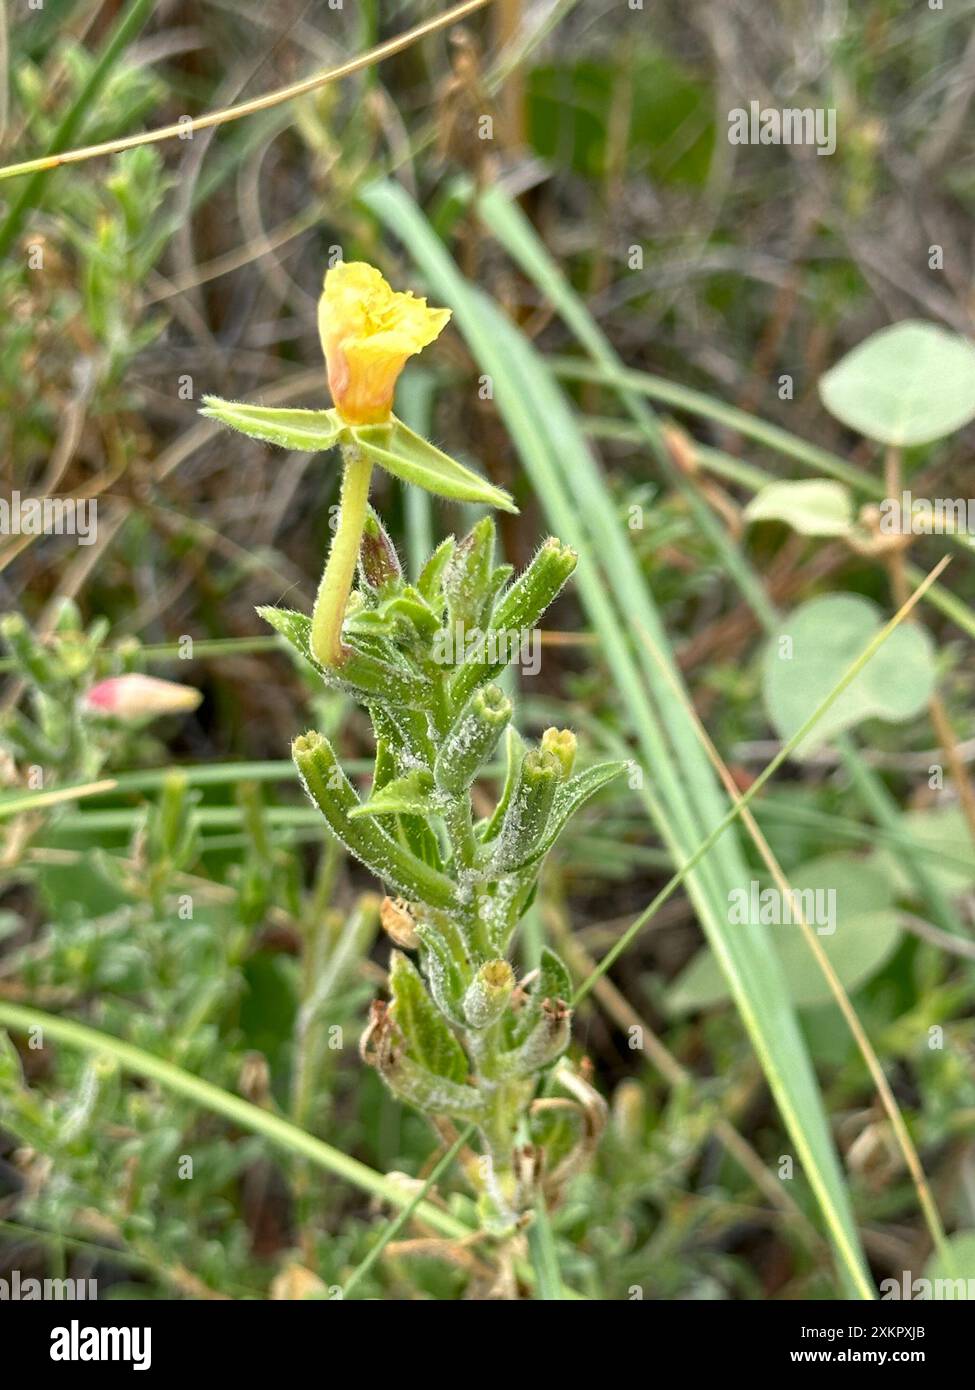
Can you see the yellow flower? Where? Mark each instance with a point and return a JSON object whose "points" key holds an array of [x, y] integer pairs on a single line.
{"points": [[368, 330]]}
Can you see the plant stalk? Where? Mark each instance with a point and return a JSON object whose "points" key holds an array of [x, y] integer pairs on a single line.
{"points": [[336, 585]]}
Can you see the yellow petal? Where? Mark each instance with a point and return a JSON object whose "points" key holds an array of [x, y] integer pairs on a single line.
{"points": [[368, 330]]}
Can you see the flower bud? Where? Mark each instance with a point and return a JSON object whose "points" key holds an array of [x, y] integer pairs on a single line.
{"points": [[334, 795], [520, 609], [378, 562], [561, 743], [528, 810], [548, 1039], [488, 993], [136, 696], [472, 739]]}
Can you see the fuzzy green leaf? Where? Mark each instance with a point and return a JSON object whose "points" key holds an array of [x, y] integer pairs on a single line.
{"points": [[311, 431], [431, 575], [428, 1038], [413, 459], [361, 674], [409, 795]]}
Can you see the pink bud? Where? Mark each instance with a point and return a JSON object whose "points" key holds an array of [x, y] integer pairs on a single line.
{"points": [[136, 696]]}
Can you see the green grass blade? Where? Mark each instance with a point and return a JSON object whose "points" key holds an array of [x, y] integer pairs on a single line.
{"points": [[396, 1225], [545, 1259]]}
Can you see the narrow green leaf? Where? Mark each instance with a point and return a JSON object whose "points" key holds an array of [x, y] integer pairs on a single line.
{"points": [[414, 459], [545, 1260], [429, 1040], [409, 795], [311, 431]]}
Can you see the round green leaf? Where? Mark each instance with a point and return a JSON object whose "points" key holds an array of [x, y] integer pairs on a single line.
{"points": [[812, 650], [908, 384], [846, 901], [942, 830], [812, 506]]}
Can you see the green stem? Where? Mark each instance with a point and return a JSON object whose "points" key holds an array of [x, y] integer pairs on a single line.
{"points": [[333, 592]]}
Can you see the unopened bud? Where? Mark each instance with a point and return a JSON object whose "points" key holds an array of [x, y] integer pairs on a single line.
{"points": [[472, 739], [548, 1039], [136, 696], [378, 562], [561, 743], [488, 993], [528, 811]]}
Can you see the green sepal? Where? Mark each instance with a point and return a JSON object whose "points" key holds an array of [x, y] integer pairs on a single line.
{"points": [[413, 459], [407, 795], [311, 431], [429, 1040]]}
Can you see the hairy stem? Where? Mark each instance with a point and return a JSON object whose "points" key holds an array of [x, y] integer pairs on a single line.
{"points": [[333, 591]]}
